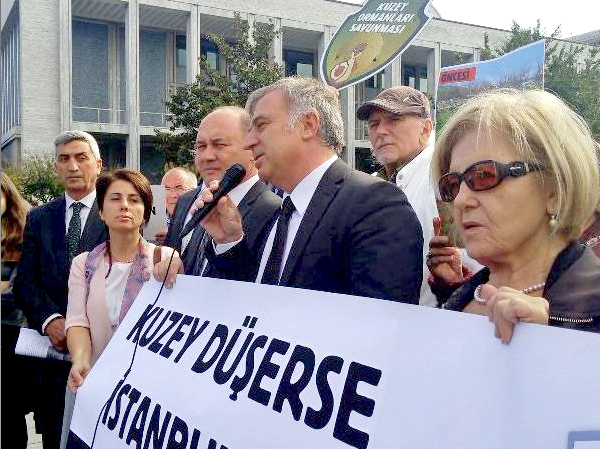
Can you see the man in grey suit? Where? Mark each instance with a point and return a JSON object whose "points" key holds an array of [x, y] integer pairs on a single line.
{"points": [[339, 230], [219, 145], [54, 234]]}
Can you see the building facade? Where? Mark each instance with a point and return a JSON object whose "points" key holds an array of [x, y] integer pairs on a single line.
{"points": [[107, 66]]}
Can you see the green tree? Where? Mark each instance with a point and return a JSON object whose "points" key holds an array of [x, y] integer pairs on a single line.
{"points": [[249, 69], [36, 179], [571, 71]]}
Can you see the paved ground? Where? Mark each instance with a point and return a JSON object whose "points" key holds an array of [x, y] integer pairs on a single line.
{"points": [[35, 439]]}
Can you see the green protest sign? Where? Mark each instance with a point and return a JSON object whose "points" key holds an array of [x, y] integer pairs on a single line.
{"points": [[370, 39]]}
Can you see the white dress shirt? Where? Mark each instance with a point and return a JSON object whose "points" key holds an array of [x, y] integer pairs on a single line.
{"points": [[87, 201], [115, 289], [415, 180], [301, 197]]}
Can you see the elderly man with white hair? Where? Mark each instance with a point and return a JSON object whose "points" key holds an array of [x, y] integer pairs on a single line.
{"points": [[176, 181]]}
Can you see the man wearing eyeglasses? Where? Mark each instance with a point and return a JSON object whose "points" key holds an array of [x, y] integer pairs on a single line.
{"points": [[400, 128], [176, 182]]}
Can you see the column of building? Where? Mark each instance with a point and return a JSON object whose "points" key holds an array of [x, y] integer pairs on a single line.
{"points": [[64, 55], [132, 51], [192, 43]]}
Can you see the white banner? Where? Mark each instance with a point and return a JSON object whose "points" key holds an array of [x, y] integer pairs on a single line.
{"points": [[224, 364], [158, 217]]}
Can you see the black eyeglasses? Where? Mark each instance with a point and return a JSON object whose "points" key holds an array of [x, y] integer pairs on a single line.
{"points": [[483, 175]]}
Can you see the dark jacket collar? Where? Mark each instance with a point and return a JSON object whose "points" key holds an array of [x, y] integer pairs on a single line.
{"points": [[326, 191], [565, 259]]}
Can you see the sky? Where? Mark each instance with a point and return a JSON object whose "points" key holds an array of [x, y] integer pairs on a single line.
{"points": [[575, 18]]}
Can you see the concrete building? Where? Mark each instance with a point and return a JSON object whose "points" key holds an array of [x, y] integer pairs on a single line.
{"points": [[106, 66]]}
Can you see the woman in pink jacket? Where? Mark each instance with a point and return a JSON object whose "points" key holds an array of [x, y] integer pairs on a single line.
{"points": [[104, 282]]}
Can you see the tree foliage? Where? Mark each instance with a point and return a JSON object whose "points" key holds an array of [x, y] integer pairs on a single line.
{"points": [[249, 68], [36, 178], [571, 71]]}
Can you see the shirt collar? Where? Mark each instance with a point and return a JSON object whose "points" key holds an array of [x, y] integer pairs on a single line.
{"points": [[238, 193], [418, 166], [87, 201], [304, 191]]}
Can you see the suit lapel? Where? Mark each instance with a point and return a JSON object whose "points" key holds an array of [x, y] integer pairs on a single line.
{"points": [[181, 211], [189, 260], [326, 190], [58, 232], [93, 227], [193, 263], [255, 191], [186, 203]]}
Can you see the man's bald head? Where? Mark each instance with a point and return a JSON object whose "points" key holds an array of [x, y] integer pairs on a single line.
{"points": [[220, 143]]}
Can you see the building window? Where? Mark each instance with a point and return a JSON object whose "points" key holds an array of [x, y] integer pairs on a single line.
{"points": [[298, 63], [153, 78], [11, 104], [99, 81], [210, 52], [180, 50], [91, 72], [180, 59], [415, 76]]}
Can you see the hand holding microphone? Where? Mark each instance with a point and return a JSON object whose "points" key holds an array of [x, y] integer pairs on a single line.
{"points": [[225, 224]]}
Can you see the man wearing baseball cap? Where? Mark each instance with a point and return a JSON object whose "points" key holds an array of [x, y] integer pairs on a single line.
{"points": [[400, 127]]}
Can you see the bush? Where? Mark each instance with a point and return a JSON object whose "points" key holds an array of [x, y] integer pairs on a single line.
{"points": [[36, 179]]}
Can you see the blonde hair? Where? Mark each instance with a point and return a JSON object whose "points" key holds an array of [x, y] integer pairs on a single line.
{"points": [[543, 130], [13, 220]]}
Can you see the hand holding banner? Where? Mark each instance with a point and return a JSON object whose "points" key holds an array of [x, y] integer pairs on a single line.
{"points": [[232, 364]]}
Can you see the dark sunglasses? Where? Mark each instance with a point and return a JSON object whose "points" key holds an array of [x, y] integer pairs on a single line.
{"points": [[483, 175]]}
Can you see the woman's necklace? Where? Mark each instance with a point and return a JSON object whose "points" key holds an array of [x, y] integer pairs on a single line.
{"points": [[125, 259], [593, 241], [526, 291]]}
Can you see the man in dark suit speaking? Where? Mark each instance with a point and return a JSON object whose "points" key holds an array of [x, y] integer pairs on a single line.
{"points": [[54, 234], [339, 230], [219, 145]]}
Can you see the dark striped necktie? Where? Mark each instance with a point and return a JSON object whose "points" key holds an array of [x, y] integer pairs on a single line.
{"points": [[74, 232], [273, 267]]}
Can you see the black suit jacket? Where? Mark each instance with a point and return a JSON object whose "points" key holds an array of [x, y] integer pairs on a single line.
{"points": [[182, 208], [41, 285], [258, 208], [359, 236]]}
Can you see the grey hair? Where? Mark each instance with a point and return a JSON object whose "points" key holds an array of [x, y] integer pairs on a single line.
{"points": [[71, 136], [306, 95], [191, 179]]}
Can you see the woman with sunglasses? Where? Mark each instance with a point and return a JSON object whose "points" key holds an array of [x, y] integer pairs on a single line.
{"points": [[521, 172]]}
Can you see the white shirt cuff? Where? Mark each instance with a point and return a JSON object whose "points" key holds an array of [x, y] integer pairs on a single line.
{"points": [[50, 318], [221, 248]]}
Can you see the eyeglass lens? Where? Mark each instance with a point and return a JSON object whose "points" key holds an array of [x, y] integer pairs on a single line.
{"points": [[480, 176]]}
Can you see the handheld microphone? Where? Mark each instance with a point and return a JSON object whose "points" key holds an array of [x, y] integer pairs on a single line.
{"points": [[231, 179]]}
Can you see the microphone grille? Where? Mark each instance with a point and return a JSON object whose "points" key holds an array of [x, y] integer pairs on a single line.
{"points": [[235, 173]]}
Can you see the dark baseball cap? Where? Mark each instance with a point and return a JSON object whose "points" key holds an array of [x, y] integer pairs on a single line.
{"points": [[397, 100]]}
